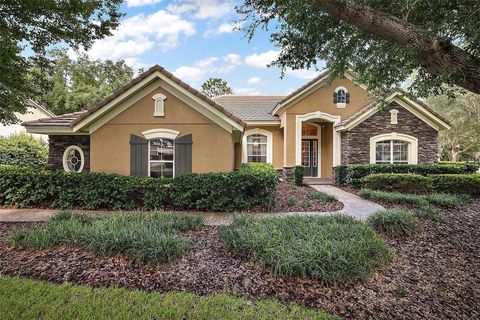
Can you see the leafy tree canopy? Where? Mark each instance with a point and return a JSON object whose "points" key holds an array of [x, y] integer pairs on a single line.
{"points": [[36, 25], [462, 142], [383, 41], [78, 84], [214, 87]]}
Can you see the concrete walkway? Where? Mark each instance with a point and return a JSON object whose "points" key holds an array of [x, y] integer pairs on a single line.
{"points": [[353, 206]]}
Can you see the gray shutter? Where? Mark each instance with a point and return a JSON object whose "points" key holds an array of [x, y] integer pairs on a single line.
{"points": [[347, 97], [334, 97], [183, 154], [138, 156]]}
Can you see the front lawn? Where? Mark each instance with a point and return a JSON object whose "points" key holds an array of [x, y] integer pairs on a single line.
{"points": [[28, 299], [329, 249], [148, 238]]}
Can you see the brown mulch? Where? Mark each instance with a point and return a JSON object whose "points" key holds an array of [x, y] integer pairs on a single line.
{"points": [[435, 274], [292, 198]]}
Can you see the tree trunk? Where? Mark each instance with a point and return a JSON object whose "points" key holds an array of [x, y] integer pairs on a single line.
{"points": [[437, 56], [453, 154]]}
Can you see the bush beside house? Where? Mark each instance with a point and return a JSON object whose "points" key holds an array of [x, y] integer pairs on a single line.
{"points": [[351, 175], [22, 150], [253, 185]]}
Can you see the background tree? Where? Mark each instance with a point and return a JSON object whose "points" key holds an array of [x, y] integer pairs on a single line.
{"points": [[215, 87], [36, 25], [462, 142], [383, 41], [78, 84]]}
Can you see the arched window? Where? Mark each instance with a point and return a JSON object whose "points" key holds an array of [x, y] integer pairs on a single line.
{"points": [[162, 154], [159, 105], [341, 97], [73, 159], [257, 146], [393, 148]]}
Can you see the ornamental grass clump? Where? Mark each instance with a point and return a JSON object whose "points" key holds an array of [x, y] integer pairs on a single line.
{"points": [[152, 239], [330, 249], [395, 222]]}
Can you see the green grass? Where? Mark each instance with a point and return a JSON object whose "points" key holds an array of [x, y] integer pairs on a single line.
{"points": [[148, 238], [28, 299], [317, 195], [395, 222], [440, 199], [330, 249]]}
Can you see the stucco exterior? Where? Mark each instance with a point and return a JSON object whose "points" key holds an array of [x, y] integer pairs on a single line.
{"points": [[212, 148]]}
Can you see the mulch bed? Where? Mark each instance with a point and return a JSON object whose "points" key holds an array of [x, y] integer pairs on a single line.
{"points": [[435, 273], [292, 198]]}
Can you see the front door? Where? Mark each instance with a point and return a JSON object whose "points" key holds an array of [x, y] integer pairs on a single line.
{"points": [[310, 157]]}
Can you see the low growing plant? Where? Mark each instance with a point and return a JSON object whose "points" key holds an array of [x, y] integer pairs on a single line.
{"points": [[330, 249], [321, 196], [394, 222], [151, 239], [440, 199]]}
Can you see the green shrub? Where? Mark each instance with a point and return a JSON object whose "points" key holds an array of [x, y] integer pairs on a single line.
{"points": [[409, 183], [395, 222], [355, 172], [22, 150], [440, 199], [149, 239], [458, 163], [457, 183], [341, 173], [427, 211], [317, 195], [331, 249], [250, 186], [298, 173]]}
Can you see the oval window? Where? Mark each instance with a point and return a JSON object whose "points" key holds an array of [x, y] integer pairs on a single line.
{"points": [[73, 159]]}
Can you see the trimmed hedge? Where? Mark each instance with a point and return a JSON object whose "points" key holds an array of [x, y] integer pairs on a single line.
{"points": [[22, 150], [253, 185], [457, 183], [406, 183], [298, 173], [353, 173]]}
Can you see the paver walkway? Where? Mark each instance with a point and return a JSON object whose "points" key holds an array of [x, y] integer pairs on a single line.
{"points": [[353, 206]]}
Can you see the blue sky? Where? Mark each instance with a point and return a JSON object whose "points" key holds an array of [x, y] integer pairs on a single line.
{"points": [[195, 40]]}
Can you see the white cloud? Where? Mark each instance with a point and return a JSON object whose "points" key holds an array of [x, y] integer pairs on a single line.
{"points": [[247, 91], [254, 80], [303, 74], [142, 33], [233, 58], [261, 60], [203, 69], [223, 28], [138, 3], [202, 9]]}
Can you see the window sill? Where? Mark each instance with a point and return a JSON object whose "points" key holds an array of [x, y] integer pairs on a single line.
{"points": [[341, 105]]}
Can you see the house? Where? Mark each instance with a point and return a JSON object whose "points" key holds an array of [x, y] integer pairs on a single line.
{"points": [[157, 125], [34, 111]]}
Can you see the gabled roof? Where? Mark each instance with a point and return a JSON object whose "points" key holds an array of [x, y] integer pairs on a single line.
{"points": [[37, 105], [78, 120], [250, 108], [417, 107]]}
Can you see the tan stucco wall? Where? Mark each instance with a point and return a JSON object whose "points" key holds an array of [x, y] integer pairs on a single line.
{"points": [[212, 149], [277, 146], [322, 100]]}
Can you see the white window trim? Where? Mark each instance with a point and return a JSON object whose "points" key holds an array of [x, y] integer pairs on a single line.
{"points": [[160, 133], [341, 105], [159, 98], [412, 145], [394, 116], [164, 161], [82, 158], [266, 133]]}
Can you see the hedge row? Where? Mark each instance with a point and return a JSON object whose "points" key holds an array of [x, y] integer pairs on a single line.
{"points": [[353, 173], [414, 183], [22, 150], [253, 185]]}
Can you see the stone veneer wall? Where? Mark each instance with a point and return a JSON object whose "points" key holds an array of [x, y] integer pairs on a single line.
{"points": [[356, 142], [57, 146]]}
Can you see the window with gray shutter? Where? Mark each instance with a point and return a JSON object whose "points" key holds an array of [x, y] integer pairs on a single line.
{"points": [[183, 154]]}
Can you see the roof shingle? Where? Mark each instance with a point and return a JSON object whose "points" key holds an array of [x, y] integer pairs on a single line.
{"points": [[250, 108]]}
